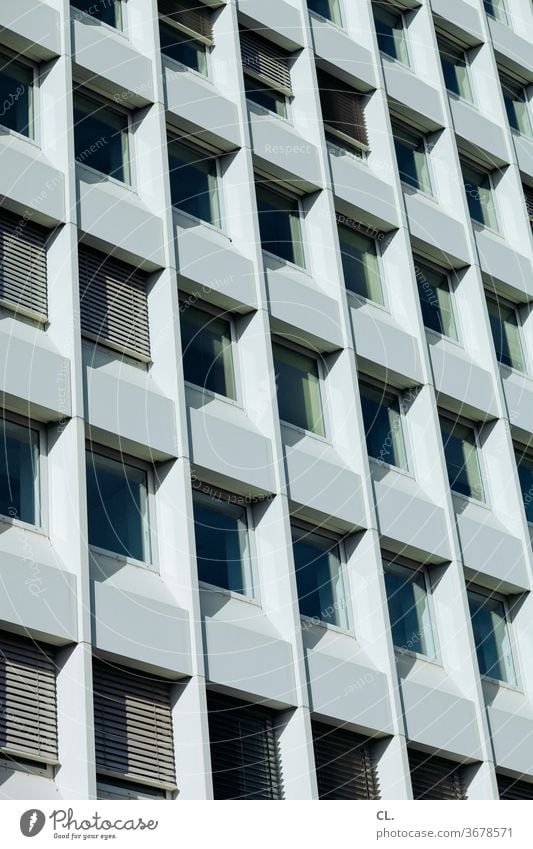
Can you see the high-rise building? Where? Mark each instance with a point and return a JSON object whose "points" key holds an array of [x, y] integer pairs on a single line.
{"points": [[266, 478]]}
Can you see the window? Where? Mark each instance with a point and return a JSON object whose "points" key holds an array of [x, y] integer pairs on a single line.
{"points": [[455, 68], [23, 265], [207, 350], [186, 33], [435, 299], [101, 138], [28, 719], [408, 599], [16, 95], [383, 425], [244, 749], [479, 195], [524, 462], [279, 224], [496, 9], [319, 577], [194, 182], [491, 636], [19, 472], [516, 105], [359, 261], [513, 788], [435, 778], [390, 30], [267, 77], [412, 158], [505, 332], [133, 733], [298, 389], [117, 504], [342, 113], [345, 767], [462, 461], [222, 541], [107, 11], [113, 303], [329, 9]]}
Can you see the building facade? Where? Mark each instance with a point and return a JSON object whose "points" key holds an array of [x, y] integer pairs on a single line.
{"points": [[266, 337]]}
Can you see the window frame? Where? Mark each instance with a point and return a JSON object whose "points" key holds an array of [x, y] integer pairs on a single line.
{"points": [[336, 23], [475, 166], [392, 8], [385, 389], [280, 189], [81, 15], [114, 785], [41, 490], [226, 315], [445, 39], [150, 534], [278, 339], [496, 298], [251, 581], [475, 428], [379, 261], [264, 109], [79, 88], [524, 453], [451, 277], [216, 156], [34, 123], [391, 559], [415, 133], [308, 622], [175, 63], [502, 20], [476, 589], [508, 82]]}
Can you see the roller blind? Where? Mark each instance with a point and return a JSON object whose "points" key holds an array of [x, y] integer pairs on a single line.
{"points": [[344, 765], [528, 195], [265, 61], [113, 303], [513, 789], [244, 751], [133, 726], [190, 16], [28, 708], [342, 109], [22, 263], [434, 777]]}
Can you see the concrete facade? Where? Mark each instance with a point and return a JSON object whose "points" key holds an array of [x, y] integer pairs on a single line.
{"points": [[160, 619]]}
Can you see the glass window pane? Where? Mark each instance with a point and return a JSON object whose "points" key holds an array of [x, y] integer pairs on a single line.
{"points": [[435, 300], [298, 389], [319, 578], [360, 264], [107, 11], [409, 609], [479, 196], [222, 545], [327, 8], [496, 9], [279, 225], [412, 159], [16, 96], [455, 69], [194, 182], [207, 351], [506, 335], [516, 105], [390, 33], [182, 48], [383, 427], [525, 476], [19, 471], [462, 462], [491, 636], [117, 507], [101, 137], [262, 95]]}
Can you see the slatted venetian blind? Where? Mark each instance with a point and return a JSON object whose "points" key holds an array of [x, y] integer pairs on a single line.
{"points": [[342, 109], [192, 17], [345, 767], [23, 263], [435, 778], [265, 61], [513, 789]]}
